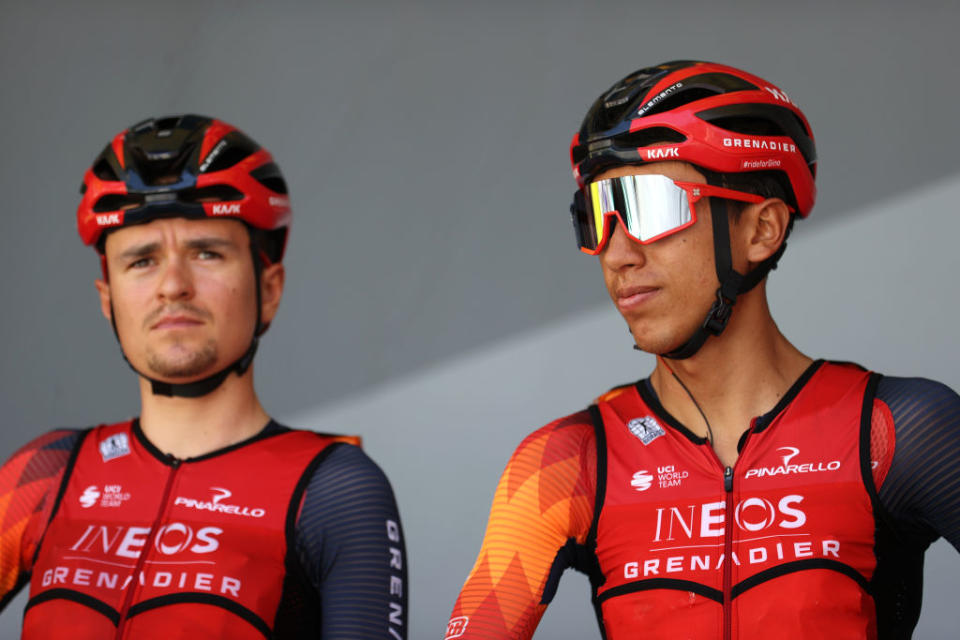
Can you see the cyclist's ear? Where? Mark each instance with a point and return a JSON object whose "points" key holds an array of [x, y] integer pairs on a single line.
{"points": [[103, 289], [761, 229]]}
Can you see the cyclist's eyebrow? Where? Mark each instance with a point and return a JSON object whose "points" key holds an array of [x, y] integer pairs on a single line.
{"points": [[209, 242], [141, 250]]}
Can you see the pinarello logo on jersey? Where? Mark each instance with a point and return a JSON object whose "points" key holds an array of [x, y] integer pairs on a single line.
{"points": [[788, 467], [216, 505], [456, 627]]}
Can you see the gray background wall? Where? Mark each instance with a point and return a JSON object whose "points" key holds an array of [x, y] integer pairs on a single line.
{"points": [[425, 146]]}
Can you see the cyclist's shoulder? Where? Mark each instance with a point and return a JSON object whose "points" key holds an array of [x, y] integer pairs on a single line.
{"points": [[320, 438], [54, 444], [917, 407], [340, 466], [618, 391], [915, 390], [570, 439], [573, 427]]}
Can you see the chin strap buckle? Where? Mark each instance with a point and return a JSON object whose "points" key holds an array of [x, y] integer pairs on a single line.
{"points": [[719, 314]]}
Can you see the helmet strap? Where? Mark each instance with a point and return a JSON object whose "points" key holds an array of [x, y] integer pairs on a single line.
{"points": [[199, 388], [732, 282]]}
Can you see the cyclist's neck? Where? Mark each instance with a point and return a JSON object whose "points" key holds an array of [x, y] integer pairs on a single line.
{"points": [[191, 427], [734, 377]]}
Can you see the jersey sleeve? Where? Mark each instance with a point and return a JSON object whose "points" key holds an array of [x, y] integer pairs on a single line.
{"points": [[539, 521], [921, 489], [29, 481], [351, 548]]}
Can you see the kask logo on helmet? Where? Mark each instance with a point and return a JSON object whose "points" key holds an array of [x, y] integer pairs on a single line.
{"points": [[780, 95], [662, 153], [226, 210]]}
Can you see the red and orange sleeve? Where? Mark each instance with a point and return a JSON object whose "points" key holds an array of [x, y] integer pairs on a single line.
{"points": [[544, 499], [28, 485]]}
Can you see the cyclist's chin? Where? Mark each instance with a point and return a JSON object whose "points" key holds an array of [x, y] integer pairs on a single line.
{"points": [[657, 335], [183, 363]]}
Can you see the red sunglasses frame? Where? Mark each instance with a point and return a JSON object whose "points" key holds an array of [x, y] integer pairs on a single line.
{"points": [[696, 191]]}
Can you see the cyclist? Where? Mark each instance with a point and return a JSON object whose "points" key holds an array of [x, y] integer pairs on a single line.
{"points": [[743, 489], [203, 517]]}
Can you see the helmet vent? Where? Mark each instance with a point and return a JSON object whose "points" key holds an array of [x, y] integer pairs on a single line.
{"points": [[213, 193], [163, 167], [117, 202], [269, 176], [763, 120], [237, 148], [750, 126], [681, 98], [165, 126], [695, 88], [649, 137], [104, 171]]}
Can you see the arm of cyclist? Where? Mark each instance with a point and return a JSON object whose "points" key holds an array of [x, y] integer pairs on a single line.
{"points": [[350, 543], [921, 490], [28, 484], [542, 509]]}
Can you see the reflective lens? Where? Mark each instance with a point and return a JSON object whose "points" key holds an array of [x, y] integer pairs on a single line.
{"points": [[648, 206]]}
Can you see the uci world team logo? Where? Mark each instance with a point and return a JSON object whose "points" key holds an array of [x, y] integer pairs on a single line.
{"points": [[647, 429], [641, 480]]}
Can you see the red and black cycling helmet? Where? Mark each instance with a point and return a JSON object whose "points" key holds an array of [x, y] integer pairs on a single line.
{"points": [[710, 115], [186, 166], [726, 122]]}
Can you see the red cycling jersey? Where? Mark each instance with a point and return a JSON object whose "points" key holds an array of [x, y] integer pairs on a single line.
{"points": [[797, 540], [141, 545], [689, 548]]}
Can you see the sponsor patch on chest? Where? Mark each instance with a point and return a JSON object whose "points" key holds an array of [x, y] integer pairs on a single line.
{"points": [[114, 446], [646, 429]]}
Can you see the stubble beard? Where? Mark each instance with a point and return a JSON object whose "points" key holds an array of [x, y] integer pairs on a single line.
{"points": [[182, 364]]}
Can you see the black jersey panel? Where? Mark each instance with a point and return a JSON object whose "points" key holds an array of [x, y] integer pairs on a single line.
{"points": [[351, 547], [922, 489]]}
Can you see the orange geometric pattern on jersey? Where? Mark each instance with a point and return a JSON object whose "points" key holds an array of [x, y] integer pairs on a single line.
{"points": [[882, 441], [26, 482], [545, 497], [610, 395]]}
